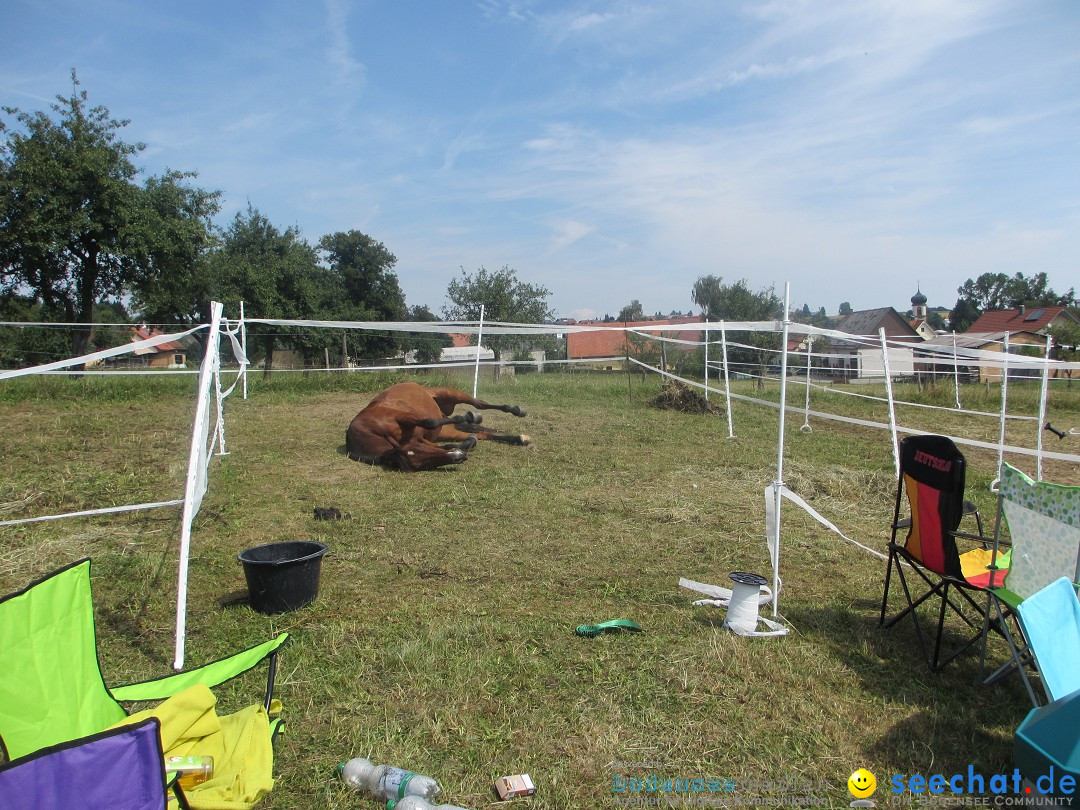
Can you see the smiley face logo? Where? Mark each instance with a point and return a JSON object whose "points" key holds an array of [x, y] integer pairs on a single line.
{"points": [[862, 784]]}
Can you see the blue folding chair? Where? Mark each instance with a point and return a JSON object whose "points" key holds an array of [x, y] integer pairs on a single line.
{"points": [[1050, 620]]}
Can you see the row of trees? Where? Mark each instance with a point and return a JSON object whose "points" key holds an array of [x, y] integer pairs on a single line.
{"points": [[82, 240]]}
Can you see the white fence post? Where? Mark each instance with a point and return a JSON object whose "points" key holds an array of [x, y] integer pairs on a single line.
{"points": [[892, 403], [195, 483], [476, 370]]}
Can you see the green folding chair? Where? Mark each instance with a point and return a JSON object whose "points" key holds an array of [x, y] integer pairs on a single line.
{"points": [[1044, 524], [51, 687]]}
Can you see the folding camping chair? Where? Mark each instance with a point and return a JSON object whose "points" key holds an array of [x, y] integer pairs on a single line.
{"points": [[1050, 620], [51, 686], [1044, 524], [119, 768], [932, 474]]}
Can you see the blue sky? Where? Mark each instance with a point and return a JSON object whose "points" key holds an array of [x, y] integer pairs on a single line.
{"points": [[608, 151]]}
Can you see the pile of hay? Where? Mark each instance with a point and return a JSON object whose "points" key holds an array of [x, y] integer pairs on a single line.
{"points": [[675, 396]]}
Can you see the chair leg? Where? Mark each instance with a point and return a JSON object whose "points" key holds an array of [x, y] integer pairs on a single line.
{"points": [[1019, 661], [270, 677], [181, 797], [940, 627], [914, 613], [885, 594]]}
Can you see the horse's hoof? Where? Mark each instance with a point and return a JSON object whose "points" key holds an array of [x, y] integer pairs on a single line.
{"points": [[468, 444], [473, 418], [458, 456], [524, 441], [519, 411]]}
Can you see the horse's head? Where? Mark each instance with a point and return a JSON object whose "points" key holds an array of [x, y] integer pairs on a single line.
{"points": [[421, 456]]}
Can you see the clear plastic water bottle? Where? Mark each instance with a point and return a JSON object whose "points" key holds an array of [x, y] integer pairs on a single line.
{"points": [[418, 803], [386, 782]]}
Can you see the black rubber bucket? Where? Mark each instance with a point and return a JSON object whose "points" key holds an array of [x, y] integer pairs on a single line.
{"points": [[283, 576]]}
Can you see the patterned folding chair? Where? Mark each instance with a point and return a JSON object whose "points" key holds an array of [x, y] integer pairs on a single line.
{"points": [[1044, 524], [120, 769], [932, 473]]}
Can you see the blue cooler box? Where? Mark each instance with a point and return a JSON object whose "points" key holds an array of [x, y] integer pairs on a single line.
{"points": [[1049, 738]]}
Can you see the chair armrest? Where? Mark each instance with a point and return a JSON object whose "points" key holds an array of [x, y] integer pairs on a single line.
{"points": [[986, 542], [211, 674]]}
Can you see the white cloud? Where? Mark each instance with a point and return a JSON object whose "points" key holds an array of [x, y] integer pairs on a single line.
{"points": [[347, 70], [569, 232], [588, 21]]}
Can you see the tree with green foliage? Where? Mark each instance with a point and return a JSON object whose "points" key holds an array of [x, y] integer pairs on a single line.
{"points": [[277, 275], [366, 288], [427, 345], [995, 291], [631, 312], [845, 308], [75, 227], [1066, 343], [22, 346], [505, 299], [963, 315], [30, 346], [173, 240], [737, 302]]}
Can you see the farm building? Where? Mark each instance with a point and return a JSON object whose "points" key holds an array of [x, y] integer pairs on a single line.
{"points": [[164, 355], [991, 341], [462, 348], [860, 360], [608, 348], [1035, 319]]}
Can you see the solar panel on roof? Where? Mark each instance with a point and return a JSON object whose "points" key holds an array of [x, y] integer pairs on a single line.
{"points": [[1034, 315]]}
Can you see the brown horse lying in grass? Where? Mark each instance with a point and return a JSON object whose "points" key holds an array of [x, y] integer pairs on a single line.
{"points": [[401, 428]]}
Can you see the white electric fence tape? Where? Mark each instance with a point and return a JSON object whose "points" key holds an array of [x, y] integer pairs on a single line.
{"points": [[104, 354], [108, 510], [720, 597], [742, 603], [850, 420], [770, 518], [742, 616]]}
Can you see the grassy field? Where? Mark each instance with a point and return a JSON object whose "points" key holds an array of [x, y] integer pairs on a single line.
{"points": [[443, 636]]}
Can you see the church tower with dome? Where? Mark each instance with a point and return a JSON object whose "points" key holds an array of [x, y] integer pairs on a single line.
{"points": [[918, 305], [918, 315]]}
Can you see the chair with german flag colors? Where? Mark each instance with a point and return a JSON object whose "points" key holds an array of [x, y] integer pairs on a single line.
{"points": [[932, 473]]}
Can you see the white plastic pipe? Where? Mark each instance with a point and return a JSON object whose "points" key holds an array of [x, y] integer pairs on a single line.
{"points": [[194, 485], [727, 380], [476, 369], [706, 365], [1042, 408], [779, 482], [892, 404], [956, 372], [243, 344], [1001, 418]]}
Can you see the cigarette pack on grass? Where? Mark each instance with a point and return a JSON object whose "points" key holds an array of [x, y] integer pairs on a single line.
{"points": [[509, 787]]}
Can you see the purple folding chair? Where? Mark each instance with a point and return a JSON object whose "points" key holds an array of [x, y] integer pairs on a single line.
{"points": [[119, 769]]}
